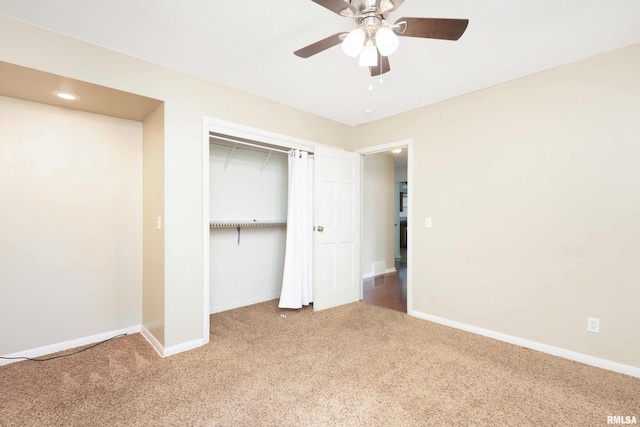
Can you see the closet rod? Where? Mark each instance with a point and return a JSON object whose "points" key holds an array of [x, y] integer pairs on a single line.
{"points": [[250, 145]]}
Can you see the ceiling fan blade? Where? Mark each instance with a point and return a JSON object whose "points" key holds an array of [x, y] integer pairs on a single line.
{"points": [[337, 6], [382, 67], [432, 28], [319, 46]]}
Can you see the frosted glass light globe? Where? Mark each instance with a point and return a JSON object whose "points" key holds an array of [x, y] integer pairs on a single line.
{"points": [[368, 56], [353, 43], [387, 41]]}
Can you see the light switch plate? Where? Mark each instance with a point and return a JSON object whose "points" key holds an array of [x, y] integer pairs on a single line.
{"points": [[427, 222]]}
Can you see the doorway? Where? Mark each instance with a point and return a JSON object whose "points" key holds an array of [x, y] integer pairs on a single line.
{"points": [[386, 217]]}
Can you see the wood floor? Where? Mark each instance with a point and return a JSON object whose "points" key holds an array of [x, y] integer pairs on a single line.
{"points": [[389, 290]]}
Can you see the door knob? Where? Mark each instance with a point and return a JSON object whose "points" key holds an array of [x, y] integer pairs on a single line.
{"points": [[320, 228]]}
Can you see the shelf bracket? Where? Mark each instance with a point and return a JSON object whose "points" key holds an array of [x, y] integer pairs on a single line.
{"points": [[229, 155], [265, 162]]}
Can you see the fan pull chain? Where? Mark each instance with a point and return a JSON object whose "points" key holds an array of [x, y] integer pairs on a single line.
{"points": [[370, 84]]}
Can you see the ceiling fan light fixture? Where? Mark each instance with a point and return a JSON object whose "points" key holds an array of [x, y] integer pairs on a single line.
{"points": [[368, 56], [353, 43], [386, 41], [375, 39]]}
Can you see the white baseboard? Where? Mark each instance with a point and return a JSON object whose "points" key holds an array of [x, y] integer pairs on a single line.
{"points": [[185, 346], [555, 351], [169, 351], [217, 308], [386, 271], [66, 345], [79, 342], [151, 339]]}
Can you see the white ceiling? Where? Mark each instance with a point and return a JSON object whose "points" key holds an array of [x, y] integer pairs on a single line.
{"points": [[249, 45]]}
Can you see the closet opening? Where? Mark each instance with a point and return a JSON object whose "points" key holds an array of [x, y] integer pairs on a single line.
{"points": [[248, 275], [248, 209]]}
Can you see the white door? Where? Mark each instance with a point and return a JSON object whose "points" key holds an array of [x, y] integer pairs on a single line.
{"points": [[337, 228]]}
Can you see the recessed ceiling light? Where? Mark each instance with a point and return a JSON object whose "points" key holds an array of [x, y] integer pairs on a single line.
{"points": [[368, 111], [66, 95], [396, 150]]}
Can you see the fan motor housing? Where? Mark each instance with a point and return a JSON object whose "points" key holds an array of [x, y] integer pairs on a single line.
{"points": [[368, 8], [364, 6], [370, 22]]}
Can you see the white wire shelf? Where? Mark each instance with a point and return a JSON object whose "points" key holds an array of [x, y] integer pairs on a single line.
{"points": [[246, 224]]}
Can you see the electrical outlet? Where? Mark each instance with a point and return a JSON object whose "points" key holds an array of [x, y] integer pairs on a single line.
{"points": [[593, 325]]}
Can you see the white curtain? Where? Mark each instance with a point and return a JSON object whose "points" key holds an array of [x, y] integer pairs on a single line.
{"points": [[297, 281]]}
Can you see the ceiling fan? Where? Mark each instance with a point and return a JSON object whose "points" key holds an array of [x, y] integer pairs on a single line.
{"points": [[374, 39]]}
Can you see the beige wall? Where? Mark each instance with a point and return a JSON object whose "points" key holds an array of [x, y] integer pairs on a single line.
{"points": [[534, 191], [532, 187], [186, 100], [152, 237], [378, 212], [70, 224]]}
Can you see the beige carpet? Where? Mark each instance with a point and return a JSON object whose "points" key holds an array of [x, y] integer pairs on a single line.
{"points": [[356, 365]]}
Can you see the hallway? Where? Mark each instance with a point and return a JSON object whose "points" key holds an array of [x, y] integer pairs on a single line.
{"points": [[389, 290]]}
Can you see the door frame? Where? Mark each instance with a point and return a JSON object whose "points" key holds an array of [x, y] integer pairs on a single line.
{"points": [[381, 148], [210, 124]]}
